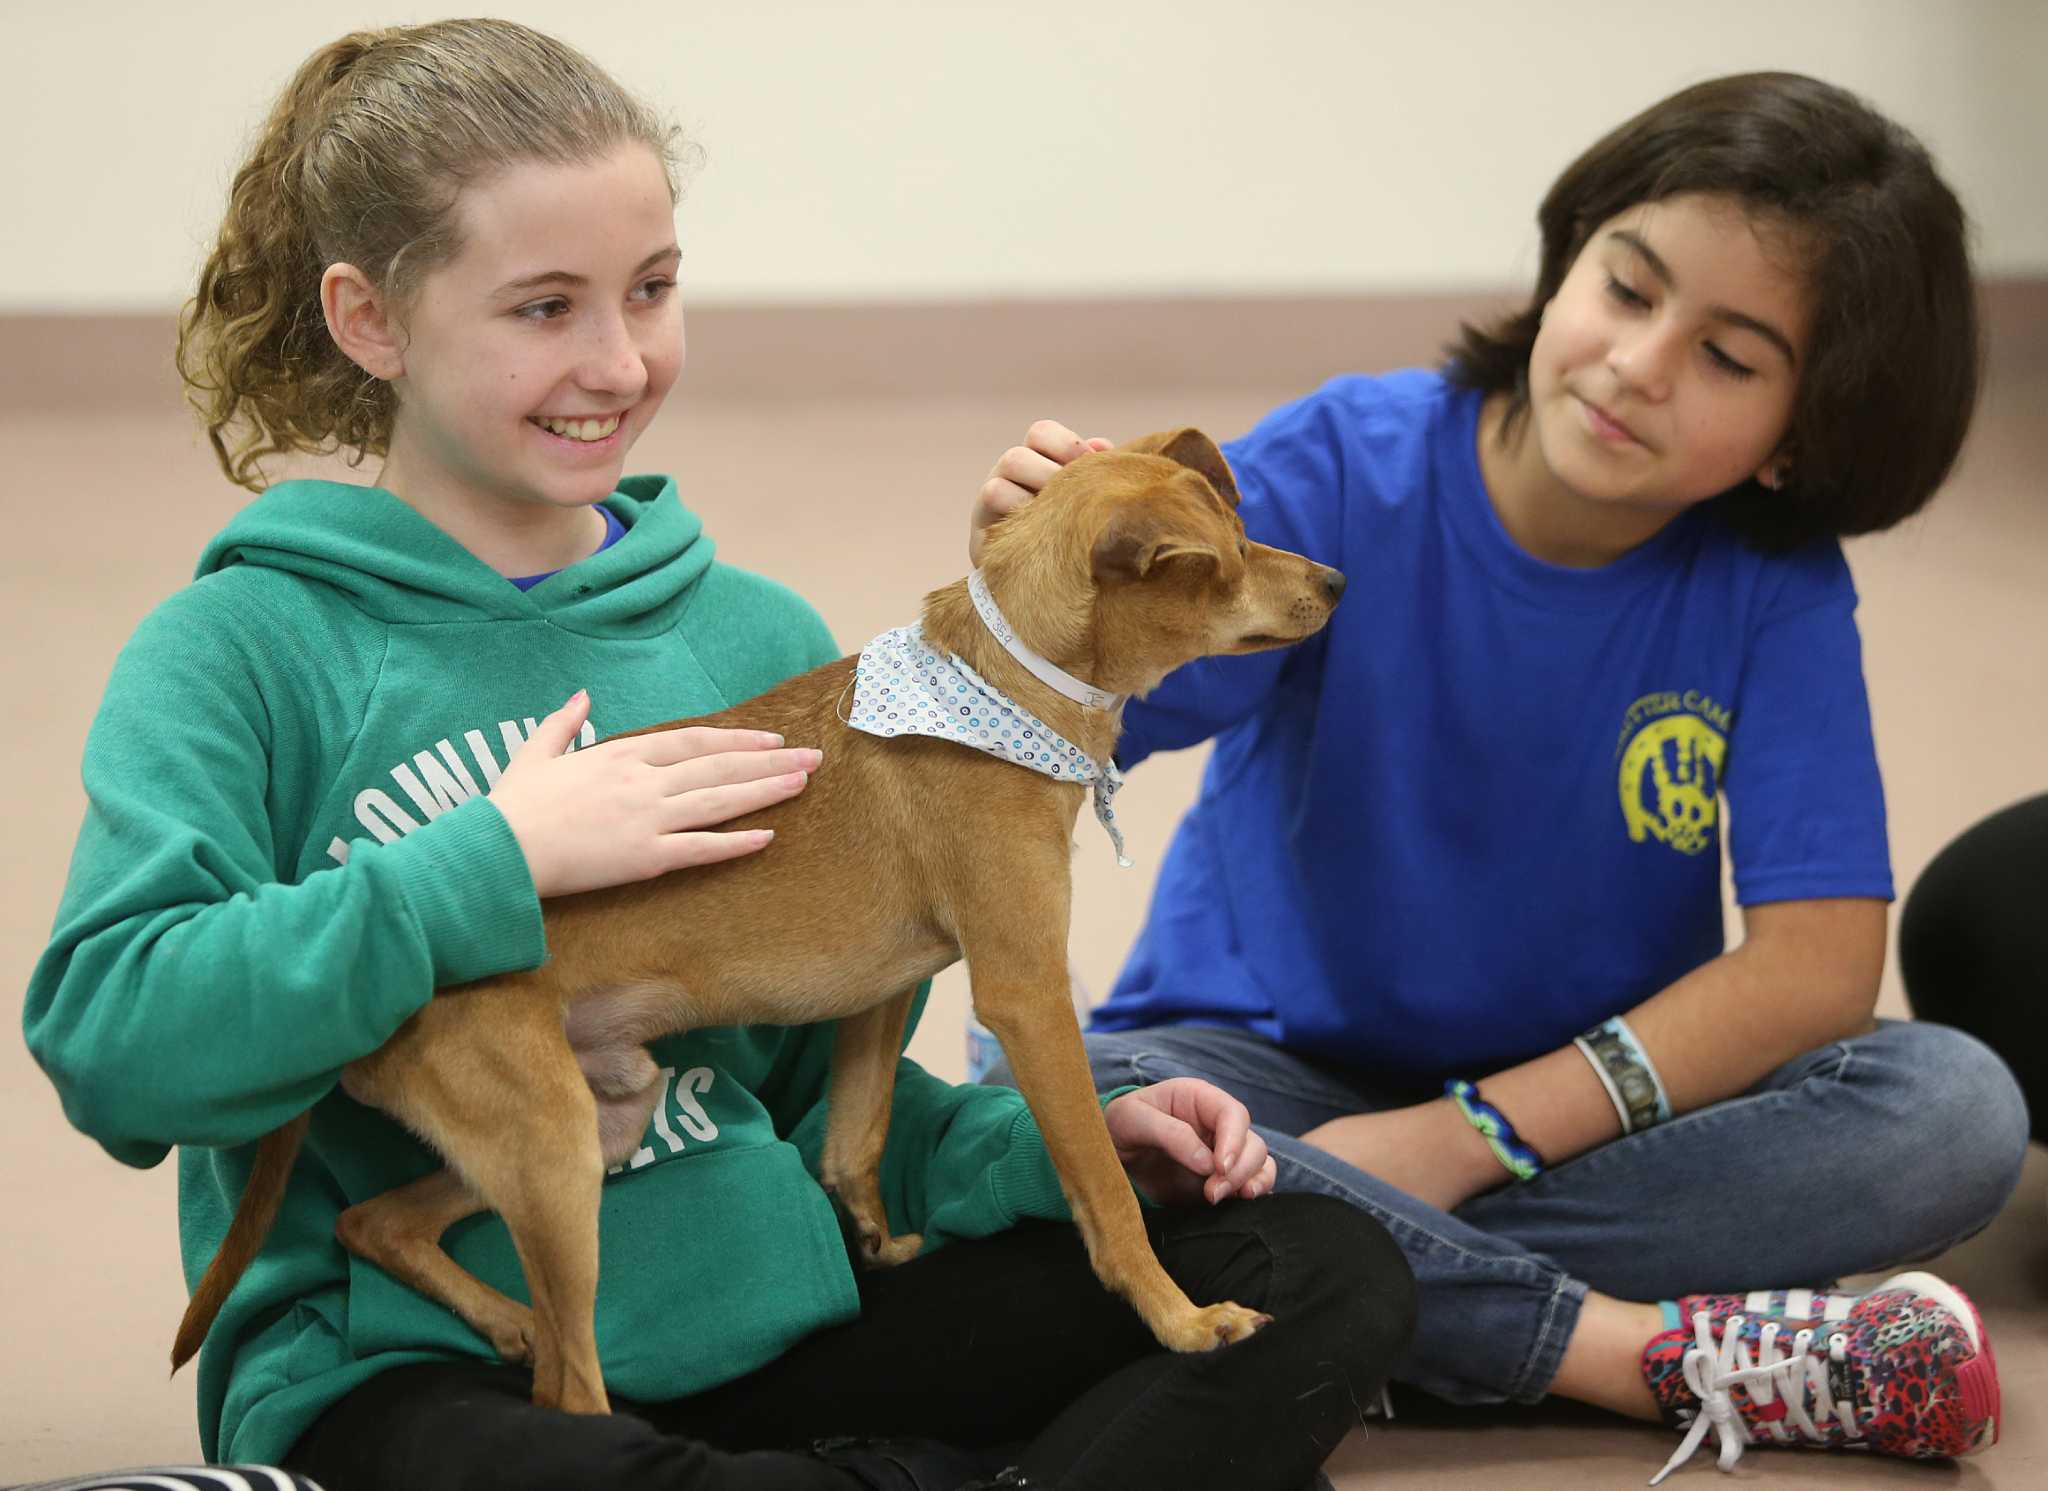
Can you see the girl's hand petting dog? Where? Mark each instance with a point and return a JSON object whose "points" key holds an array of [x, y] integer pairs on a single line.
{"points": [[634, 808], [1021, 474], [1185, 1139]]}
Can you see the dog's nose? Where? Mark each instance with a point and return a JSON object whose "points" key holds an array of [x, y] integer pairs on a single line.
{"points": [[1333, 582]]}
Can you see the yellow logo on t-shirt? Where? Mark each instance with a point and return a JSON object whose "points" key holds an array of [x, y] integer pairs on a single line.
{"points": [[1672, 747]]}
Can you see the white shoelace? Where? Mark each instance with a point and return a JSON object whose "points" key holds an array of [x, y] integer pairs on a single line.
{"points": [[1799, 1378]]}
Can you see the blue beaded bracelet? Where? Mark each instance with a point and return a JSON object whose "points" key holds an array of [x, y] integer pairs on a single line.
{"points": [[1520, 1161]]}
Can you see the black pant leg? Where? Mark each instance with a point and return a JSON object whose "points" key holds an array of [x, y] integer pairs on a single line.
{"points": [[1002, 1340], [1265, 1412], [1973, 943], [1012, 1338], [472, 1426]]}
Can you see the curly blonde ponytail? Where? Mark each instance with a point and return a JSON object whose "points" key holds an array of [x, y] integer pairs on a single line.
{"points": [[360, 162]]}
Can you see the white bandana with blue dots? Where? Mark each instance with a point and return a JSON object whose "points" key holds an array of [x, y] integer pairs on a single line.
{"points": [[903, 687]]}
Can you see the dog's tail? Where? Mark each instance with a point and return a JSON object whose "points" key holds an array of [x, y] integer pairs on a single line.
{"points": [[275, 1156]]}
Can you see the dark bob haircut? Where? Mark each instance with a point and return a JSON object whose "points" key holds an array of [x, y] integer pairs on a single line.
{"points": [[1891, 370]]}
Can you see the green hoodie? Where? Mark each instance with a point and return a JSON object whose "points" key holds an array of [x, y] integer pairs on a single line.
{"points": [[287, 848]]}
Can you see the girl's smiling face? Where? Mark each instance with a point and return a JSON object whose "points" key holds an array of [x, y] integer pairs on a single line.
{"points": [[1666, 365], [536, 357]]}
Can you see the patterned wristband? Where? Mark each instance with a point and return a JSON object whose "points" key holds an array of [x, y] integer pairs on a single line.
{"points": [[1625, 1070], [1520, 1161]]}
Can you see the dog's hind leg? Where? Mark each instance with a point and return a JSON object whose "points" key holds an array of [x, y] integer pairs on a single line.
{"points": [[486, 1076], [865, 1048], [400, 1231]]}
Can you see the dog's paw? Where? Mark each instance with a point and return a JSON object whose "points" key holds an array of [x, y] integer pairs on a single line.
{"points": [[1213, 1326], [510, 1332], [878, 1251]]}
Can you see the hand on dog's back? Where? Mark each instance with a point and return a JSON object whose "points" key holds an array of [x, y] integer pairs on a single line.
{"points": [[639, 806]]}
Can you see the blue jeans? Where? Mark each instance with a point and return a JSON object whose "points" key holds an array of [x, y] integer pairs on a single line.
{"points": [[1883, 1149]]}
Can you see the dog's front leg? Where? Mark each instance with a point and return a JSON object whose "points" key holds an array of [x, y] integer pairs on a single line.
{"points": [[1016, 957], [864, 1052]]}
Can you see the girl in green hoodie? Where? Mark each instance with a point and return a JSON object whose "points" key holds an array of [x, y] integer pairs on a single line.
{"points": [[325, 782]]}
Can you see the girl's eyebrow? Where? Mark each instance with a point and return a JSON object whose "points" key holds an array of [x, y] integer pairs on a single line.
{"points": [[564, 277], [1721, 313]]}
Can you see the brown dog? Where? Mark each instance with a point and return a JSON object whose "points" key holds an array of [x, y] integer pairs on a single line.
{"points": [[1131, 562]]}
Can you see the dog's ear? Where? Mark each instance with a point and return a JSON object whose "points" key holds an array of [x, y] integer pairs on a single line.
{"points": [[1194, 450], [1137, 541]]}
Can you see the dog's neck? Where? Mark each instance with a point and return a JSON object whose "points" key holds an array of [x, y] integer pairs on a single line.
{"points": [[951, 624]]}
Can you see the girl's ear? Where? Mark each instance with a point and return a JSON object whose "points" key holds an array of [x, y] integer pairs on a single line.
{"points": [[360, 322], [1774, 472]]}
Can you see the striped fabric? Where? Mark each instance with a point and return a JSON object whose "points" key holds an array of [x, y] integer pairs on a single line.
{"points": [[183, 1478]]}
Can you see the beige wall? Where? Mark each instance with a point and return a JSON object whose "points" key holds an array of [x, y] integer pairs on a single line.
{"points": [[895, 149]]}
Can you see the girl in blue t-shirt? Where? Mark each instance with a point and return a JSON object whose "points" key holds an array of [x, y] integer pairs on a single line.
{"points": [[1447, 912]]}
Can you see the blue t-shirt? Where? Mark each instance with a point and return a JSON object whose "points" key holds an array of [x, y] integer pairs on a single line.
{"points": [[614, 530], [1480, 812]]}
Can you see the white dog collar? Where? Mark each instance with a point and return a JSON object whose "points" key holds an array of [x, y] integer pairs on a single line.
{"points": [[1044, 669]]}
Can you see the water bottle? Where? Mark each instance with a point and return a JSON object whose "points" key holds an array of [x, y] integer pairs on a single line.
{"points": [[984, 1050]]}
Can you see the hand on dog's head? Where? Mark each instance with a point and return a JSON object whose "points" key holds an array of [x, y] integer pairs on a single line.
{"points": [[1166, 495], [1134, 560]]}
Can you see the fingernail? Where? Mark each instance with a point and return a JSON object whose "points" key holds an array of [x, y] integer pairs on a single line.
{"points": [[763, 835], [1230, 1160], [796, 779], [811, 757], [771, 737], [577, 697], [1204, 1157]]}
